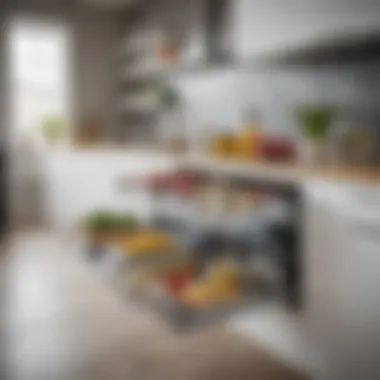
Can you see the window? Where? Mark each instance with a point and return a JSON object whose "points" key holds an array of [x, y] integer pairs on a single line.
{"points": [[39, 55]]}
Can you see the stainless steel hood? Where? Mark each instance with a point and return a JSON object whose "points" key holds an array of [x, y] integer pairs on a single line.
{"points": [[217, 41]]}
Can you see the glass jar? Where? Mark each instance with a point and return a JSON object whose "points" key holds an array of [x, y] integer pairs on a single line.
{"points": [[248, 138]]}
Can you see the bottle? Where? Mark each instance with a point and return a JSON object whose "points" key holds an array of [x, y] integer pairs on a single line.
{"points": [[248, 138]]}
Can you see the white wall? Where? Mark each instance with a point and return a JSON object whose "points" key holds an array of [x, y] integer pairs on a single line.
{"points": [[210, 102], [217, 100]]}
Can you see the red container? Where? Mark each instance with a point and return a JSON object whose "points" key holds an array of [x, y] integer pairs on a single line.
{"points": [[278, 149]]}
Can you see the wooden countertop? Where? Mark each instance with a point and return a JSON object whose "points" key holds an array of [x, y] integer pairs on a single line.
{"points": [[283, 172], [286, 172]]}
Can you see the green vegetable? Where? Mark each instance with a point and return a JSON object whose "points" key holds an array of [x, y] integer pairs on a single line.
{"points": [[108, 221], [124, 221], [315, 122]]}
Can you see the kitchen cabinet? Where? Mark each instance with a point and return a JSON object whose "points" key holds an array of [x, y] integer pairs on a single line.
{"points": [[357, 283], [274, 26], [4, 192], [319, 261], [342, 272], [80, 181]]}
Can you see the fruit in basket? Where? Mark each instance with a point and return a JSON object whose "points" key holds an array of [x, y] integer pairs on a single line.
{"points": [[183, 183], [157, 181], [146, 242], [224, 274], [176, 280], [212, 198], [138, 279], [179, 182], [207, 293], [240, 200], [221, 285]]}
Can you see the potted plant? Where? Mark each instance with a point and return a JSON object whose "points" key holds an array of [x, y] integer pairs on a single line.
{"points": [[52, 128], [315, 124]]}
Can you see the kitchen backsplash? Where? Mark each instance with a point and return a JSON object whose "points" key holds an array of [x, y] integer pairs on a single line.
{"points": [[214, 101]]}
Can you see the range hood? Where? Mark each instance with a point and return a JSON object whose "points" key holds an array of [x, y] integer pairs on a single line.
{"points": [[217, 41], [339, 46]]}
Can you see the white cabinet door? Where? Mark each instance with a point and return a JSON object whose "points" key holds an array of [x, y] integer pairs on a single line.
{"points": [[320, 262], [342, 280], [267, 26], [356, 292]]}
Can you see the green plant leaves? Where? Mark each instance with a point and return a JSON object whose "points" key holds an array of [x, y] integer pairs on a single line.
{"points": [[52, 127], [315, 122], [105, 221]]}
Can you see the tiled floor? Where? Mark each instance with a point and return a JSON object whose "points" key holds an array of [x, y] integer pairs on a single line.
{"points": [[60, 321]]}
